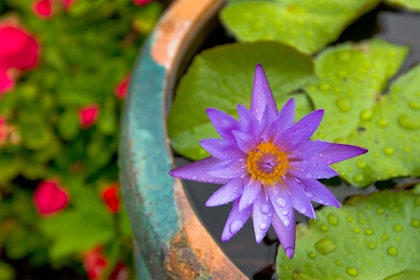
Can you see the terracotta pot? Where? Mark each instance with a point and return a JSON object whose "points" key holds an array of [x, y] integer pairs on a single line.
{"points": [[170, 241]]}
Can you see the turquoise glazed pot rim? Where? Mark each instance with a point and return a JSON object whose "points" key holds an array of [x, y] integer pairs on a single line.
{"points": [[170, 241]]}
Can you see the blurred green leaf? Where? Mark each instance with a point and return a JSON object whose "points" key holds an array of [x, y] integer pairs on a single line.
{"points": [[307, 25], [413, 5], [68, 125], [222, 77], [370, 237], [6, 271]]}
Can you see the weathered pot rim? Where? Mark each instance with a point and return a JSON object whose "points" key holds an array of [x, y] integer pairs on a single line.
{"points": [[170, 241]]}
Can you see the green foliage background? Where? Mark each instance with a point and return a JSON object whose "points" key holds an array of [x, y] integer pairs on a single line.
{"points": [[86, 52]]}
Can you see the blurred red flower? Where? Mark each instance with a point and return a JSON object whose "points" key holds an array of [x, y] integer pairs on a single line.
{"points": [[45, 8], [50, 198], [42, 8], [88, 115], [121, 89], [110, 196], [95, 262], [142, 2], [19, 51]]}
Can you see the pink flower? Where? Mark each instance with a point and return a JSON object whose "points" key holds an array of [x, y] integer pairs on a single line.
{"points": [[88, 115], [95, 263], [110, 197], [19, 51], [142, 2], [42, 8], [121, 89], [50, 198]]}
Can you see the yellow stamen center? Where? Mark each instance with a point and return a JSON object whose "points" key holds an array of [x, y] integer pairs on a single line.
{"points": [[267, 163]]}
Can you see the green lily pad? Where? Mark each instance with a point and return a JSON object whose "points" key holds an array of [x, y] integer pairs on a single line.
{"points": [[413, 5], [391, 132], [307, 25], [222, 77], [370, 237], [351, 78]]}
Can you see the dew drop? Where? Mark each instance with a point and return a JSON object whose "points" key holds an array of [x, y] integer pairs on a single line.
{"points": [[312, 255], [392, 251], [285, 212], [398, 228], [389, 151], [345, 56], [369, 232], [324, 87], [344, 104], [352, 271], [194, 178], [210, 181], [366, 115], [385, 236], [281, 202], [409, 122], [337, 263], [415, 223], [414, 105], [372, 263], [382, 122], [349, 219], [324, 228], [361, 164], [358, 178], [263, 226], [342, 74], [265, 208], [235, 226], [372, 245], [356, 230], [286, 223], [380, 211], [325, 246], [332, 220]]}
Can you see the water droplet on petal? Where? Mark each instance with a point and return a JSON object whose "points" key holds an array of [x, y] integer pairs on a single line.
{"points": [[281, 202], [263, 226], [194, 178], [265, 208], [210, 181], [235, 227], [285, 212], [352, 271], [286, 223], [325, 246]]}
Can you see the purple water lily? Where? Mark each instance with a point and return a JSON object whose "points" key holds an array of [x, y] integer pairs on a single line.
{"points": [[267, 165]]}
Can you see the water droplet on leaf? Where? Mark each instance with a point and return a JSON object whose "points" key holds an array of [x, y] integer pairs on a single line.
{"points": [[325, 246], [332, 220], [352, 271], [392, 251], [409, 122]]}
